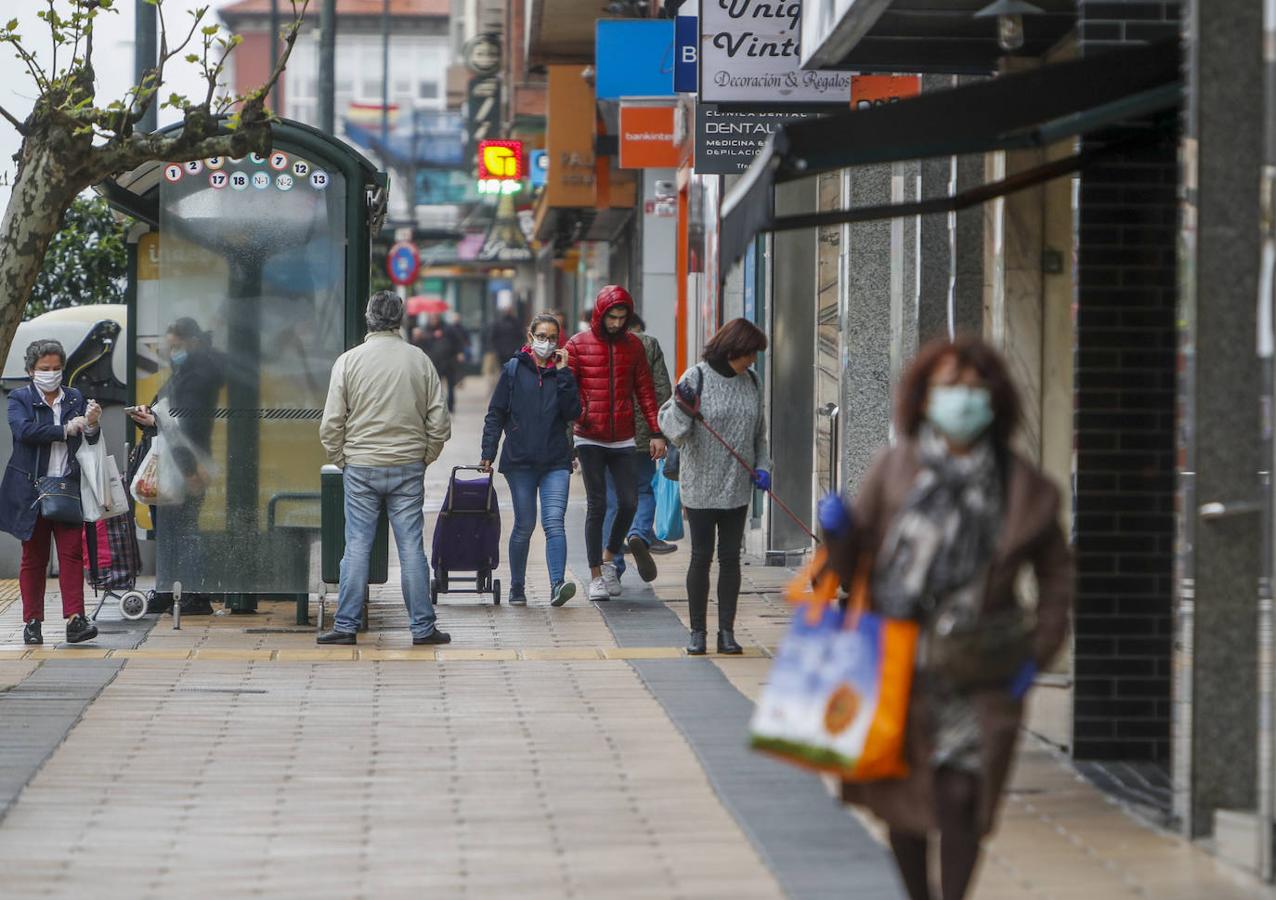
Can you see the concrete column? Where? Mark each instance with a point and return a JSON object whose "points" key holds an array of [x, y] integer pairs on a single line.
{"points": [[935, 274], [866, 330], [1220, 231], [905, 180]]}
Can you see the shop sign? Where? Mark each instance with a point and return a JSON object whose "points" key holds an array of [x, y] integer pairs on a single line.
{"points": [[500, 160], [482, 111], [728, 138], [569, 139], [647, 137], [686, 30], [868, 91], [483, 54], [633, 58], [750, 53], [538, 167]]}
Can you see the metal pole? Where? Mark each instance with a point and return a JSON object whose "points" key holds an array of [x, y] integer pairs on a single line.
{"points": [[144, 52], [385, 78], [327, 66], [1266, 339], [274, 41]]}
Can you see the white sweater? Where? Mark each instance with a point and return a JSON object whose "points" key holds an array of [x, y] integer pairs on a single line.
{"points": [[710, 477]]}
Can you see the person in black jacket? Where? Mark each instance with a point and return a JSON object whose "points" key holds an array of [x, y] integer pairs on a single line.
{"points": [[445, 344], [534, 404]]}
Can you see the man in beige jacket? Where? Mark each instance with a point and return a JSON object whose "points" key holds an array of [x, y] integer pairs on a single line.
{"points": [[385, 421]]}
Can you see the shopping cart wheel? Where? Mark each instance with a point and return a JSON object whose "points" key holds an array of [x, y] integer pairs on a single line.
{"points": [[133, 605], [496, 592]]}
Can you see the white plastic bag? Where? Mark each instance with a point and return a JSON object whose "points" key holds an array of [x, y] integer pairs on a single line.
{"points": [[158, 481], [101, 487]]}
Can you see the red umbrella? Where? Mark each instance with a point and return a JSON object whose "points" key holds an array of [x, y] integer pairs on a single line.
{"points": [[422, 304]]}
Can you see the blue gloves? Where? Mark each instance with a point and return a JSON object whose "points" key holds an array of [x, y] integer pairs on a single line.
{"points": [[1023, 680], [834, 517], [762, 480]]}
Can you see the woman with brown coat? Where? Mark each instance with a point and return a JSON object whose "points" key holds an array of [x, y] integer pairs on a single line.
{"points": [[947, 519]]}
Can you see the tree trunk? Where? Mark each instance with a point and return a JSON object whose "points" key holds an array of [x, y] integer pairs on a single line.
{"points": [[41, 192]]}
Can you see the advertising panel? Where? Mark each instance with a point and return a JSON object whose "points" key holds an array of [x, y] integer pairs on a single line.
{"points": [[687, 40], [633, 58], [647, 137], [750, 53], [727, 139], [569, 138]]}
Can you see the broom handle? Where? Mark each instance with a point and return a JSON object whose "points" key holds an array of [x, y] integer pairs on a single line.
{"points": [[753, 474]]}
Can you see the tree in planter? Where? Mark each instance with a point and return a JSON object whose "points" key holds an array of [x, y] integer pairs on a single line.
{"points": [[70, 141], [87, 260]]}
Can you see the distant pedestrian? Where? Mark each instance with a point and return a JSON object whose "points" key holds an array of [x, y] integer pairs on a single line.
{"points": [[643, 528], [610, 365], [384, 422], [949, 517], [48, 422], [723, 391], [505, 335], [534, 404], [445, 346]]}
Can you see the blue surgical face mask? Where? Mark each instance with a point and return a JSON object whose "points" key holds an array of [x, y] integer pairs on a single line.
{"points": [[177, 357], [959, 412]]}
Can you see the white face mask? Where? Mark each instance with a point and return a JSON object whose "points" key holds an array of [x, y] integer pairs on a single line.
{"points": [[542, 348], [47, 381]]}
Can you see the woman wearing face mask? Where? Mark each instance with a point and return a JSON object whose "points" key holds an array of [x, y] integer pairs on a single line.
{"points": [[947, 519], [535, 401], [48, 422]]}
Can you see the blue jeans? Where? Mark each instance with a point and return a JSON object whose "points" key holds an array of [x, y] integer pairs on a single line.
{"points": [[402, 490], [553, 485], [644, 524]]}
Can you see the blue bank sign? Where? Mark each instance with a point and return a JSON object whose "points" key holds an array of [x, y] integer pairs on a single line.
{"points": [[633, 58], [687, 45]]}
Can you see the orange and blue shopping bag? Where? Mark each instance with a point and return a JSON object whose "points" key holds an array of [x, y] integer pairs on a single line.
{"points": [[837, 697]]}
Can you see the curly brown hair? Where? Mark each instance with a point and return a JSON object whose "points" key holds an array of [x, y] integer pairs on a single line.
{"points": [[970, 352]]}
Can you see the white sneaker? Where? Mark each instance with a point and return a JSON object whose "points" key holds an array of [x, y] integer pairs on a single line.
{"points": [[598, 589], [611, 579]]}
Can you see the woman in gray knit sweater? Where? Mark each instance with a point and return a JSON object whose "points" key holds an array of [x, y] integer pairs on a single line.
{"points": [[724, 392]]}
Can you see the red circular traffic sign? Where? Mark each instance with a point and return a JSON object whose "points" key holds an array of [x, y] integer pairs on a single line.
{"points": [[402, 263]]}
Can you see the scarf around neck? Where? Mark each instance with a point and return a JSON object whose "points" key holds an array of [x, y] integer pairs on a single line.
{"points": [[943, 538]]}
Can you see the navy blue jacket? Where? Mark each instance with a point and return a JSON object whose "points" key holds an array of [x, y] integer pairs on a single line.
{"points": [[31, 421], [535, 408]]}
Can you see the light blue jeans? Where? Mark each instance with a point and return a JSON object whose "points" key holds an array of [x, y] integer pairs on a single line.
{"points": [[644, 525], [553, 485], [402, 490]]}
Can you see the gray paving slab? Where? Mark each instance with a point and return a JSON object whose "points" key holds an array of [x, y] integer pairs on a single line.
{"points": [[638, 618], [38, 713], [812, 846]]}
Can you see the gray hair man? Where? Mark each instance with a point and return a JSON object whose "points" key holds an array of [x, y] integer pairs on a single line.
{"points": [[384, 422]]}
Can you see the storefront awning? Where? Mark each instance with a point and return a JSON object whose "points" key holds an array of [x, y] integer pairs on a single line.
{"points": [[1024, 110]]}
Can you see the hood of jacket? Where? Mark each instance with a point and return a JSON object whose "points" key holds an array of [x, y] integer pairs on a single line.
{"points": [[610, 296]]}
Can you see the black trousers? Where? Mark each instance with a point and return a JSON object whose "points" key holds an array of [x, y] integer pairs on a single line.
{"points": [[727, 525], [595, 463]]}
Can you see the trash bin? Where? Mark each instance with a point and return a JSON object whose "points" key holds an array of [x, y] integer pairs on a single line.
{"points": [[332, 535]]}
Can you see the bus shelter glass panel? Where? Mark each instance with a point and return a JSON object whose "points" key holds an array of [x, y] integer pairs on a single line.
{"points": [[237, 335]]}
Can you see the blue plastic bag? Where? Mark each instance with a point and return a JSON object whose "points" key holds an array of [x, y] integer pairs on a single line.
{"points": [[668, 505]]}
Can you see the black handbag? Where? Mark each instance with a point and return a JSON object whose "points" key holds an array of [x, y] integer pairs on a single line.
{"points": [[59, 499], [673, 463]]}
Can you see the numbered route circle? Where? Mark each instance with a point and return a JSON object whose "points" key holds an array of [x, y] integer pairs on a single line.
{"points": [[278, 161], [257, 159], [261, 180], [239, 180], [173, 173], [194, 167], [218, 180], [319, 180], [215, 162], [283, 181], [301, 168]]}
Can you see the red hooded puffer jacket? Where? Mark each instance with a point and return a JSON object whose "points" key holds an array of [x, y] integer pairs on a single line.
{"points": [[611, 370]]}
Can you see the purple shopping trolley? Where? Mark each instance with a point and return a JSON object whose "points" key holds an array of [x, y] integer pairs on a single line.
{"points": [[467, 537]]}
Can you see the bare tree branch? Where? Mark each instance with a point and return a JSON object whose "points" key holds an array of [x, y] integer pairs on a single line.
{"points": [[19, 126]]}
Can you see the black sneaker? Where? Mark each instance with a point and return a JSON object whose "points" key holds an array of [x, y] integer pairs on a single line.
{"points": [[434, 637], [32, 634], [80, 629], [641, 554], [661, 547], [518, 597], [197, 606], [337, 637]]}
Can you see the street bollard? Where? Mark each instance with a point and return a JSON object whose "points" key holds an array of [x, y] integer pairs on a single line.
{"points": [[177, 606]]}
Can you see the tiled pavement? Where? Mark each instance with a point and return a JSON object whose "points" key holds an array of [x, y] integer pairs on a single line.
{"points": [[546, 753]]}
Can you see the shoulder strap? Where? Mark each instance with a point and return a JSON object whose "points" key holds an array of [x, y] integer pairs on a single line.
{"points": [[511, 369]]}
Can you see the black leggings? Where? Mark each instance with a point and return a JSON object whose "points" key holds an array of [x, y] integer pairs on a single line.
{"points": [[594, 464], [956, 801], [728, 525]]}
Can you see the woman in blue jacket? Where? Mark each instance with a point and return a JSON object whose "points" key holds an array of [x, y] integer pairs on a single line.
{"points": [[48, 422], [534, 404]]}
